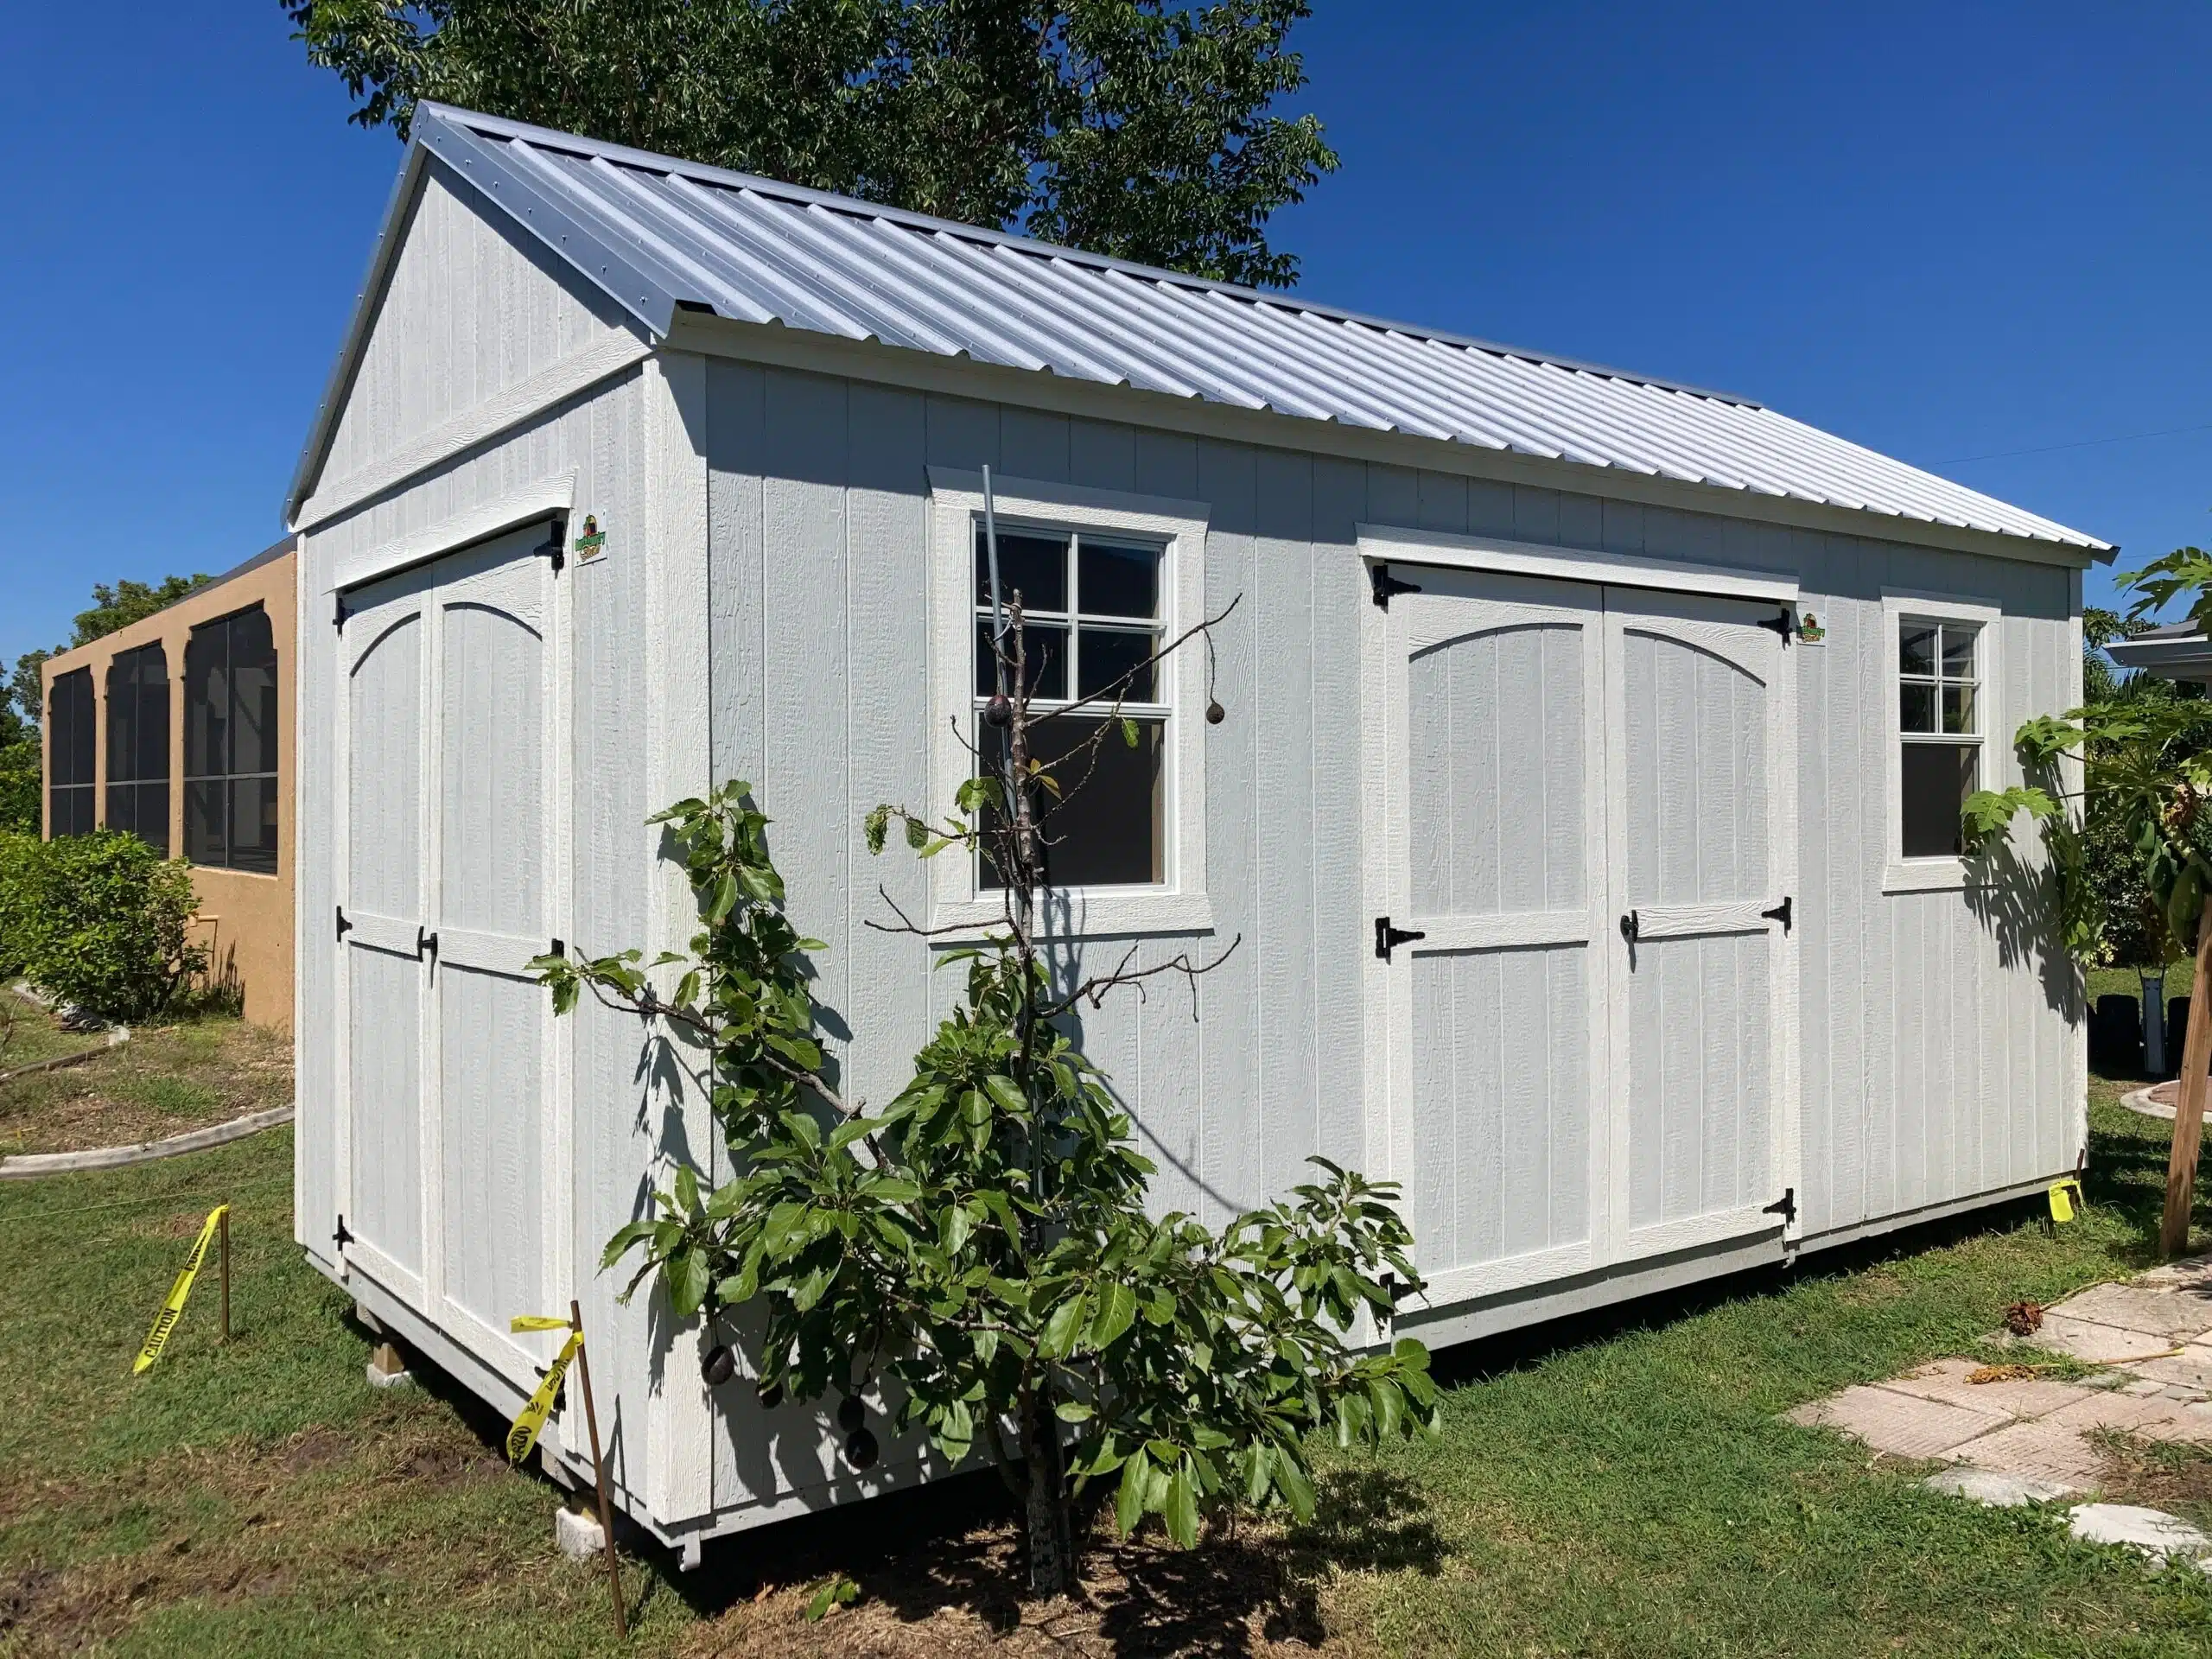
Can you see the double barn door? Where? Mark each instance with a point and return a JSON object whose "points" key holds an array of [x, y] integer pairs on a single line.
{"points": [[1585, 970], [447, 823]]}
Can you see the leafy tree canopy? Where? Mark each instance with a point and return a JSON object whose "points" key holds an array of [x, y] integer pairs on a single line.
{"points": [[1135, 128]]}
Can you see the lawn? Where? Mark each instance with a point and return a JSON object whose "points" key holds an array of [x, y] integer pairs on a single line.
{"points": [[29, 1034], [190, 1072], [1621, 1490]]}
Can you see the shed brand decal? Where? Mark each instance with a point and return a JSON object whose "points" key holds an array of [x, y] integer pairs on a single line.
{"points": [[592, 543], [173, 1309], [1809, 631], [523, 1434]]}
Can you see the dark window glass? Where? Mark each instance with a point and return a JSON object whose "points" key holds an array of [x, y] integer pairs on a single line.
{"points": [[230, 744], [1118, 664], [1107, 827], [1035, 566], [1044, 660], [138, 745], [72, 753], [1117, 580], [1936, 778]]}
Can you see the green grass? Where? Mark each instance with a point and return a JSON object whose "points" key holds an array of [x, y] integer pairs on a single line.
{"points": [[197, 1068], [29, 1033], [1629, 1492]]}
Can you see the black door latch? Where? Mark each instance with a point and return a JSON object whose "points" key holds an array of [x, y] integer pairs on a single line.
{"points": [[1785, 1207], [1631, 927], [1782, 624], [1779, 913], [1387, 585], [554, 548], [426, 942], [1388, 938]]}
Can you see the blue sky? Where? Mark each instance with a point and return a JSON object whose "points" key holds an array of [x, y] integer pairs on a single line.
{"points": [[1949, 232]]}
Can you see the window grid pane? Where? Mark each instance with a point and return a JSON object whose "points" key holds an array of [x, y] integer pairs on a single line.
{"points": [[230, 810]]}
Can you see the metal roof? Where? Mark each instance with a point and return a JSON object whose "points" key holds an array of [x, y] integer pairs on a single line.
{"points": [[660, 235], [2173, 650]]}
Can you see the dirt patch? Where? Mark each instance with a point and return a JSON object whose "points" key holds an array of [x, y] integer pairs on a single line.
{"points": [[2171, 1475], [168, 1079]]}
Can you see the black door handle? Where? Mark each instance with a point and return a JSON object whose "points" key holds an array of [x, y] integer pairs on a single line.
{"points": [[1779, 913], [1631, 927], [1387, 937], [426, 943]]}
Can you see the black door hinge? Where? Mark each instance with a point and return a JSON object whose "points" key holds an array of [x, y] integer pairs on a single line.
{"points": [[344, 926], [560, 949], [342, 1238], [339, 613], [1388, 938], [554, 547], [1783, 625], [1779, 913], [1386, 585], [1785, 1207]]}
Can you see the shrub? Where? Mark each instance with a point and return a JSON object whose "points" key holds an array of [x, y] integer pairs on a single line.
{"points": [[100, 921], [19, 856]]}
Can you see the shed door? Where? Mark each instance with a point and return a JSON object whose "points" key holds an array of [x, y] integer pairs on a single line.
{"points": [[450, 783], [1700, 857], [1500, 1034], [1568, 1088]]}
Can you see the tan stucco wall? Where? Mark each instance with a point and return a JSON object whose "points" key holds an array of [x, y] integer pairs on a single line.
{"points": [[245, 920]]}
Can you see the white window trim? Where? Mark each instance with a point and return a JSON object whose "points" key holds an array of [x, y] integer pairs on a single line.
{"points": [[1178, 905], [1949, 872]]}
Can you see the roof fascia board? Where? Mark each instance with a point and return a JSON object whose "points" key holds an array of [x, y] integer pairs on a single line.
{"points": [[549, 138], [2189, 657], [779, 347], [384, 251]]}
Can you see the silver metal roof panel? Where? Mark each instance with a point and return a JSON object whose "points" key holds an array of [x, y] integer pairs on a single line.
{"points": [[657, 234]]}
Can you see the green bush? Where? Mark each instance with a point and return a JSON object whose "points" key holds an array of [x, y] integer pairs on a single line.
{"points": [[100, 921], [19, 855]]}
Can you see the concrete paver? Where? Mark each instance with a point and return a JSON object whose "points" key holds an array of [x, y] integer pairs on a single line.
{"points": [[2153, 1531], [1998, 1491], [2039, 1449], [1902, 1425], [2191, 1368], [2019, 1397], [2158, 1314], [2098, 1345]]}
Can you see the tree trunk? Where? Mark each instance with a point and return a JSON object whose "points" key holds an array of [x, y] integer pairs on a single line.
{"points": [[2189, 1111], [1049, 1527]]}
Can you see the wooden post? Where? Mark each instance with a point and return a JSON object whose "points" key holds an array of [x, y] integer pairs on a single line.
{"points": [[599, 1474], [225, 1224], [2189, 1111]]}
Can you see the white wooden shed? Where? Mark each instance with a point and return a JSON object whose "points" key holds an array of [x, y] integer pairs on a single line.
{"points": [[1584, 803]]}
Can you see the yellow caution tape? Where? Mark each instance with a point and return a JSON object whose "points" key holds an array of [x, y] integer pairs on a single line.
{"points": [[523, 1434], [2061, 1208], [165, 1321]]}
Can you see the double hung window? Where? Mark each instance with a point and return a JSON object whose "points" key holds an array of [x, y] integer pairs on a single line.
{"points": [[230, 744], [72, 755], [1091, 626], [1940, 734], [138, 745]]}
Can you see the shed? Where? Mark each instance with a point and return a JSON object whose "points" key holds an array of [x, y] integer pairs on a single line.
{"points": [[1586, 800]]}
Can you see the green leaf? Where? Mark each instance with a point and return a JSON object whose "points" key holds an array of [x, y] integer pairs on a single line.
{"points": [[1073, 1411], [1182, 1509], [1118, 1311], [725, 900], [1129, 1501], [918, 835], [1129, 732], [1292, 1481], [688, 1278], [840, 1592], [1058, 1338]]}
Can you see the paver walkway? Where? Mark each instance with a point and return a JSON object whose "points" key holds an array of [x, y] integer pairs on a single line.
{"points": [[2017, 1439]]}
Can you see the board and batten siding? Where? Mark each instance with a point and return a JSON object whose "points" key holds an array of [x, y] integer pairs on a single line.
{"points": [[1940, 1053]]}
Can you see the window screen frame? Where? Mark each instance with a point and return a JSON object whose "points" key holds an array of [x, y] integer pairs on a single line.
{"points": [[83, 793], [223, 774], [1939, 872], [1177, 903], [132, 707]]}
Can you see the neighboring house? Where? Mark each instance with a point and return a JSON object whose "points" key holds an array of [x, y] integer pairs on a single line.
{"points": [[2175, 651], [178, 728], [1585, 806]]}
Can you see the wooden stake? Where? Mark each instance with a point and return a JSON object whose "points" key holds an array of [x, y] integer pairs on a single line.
{"points": [[2189, 1111], [599, 1474], [225, 1225]]}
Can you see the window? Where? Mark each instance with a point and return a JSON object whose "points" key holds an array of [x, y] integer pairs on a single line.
{"points": [[71, 753], [230, 744], [1939, 728], [1107, 578], [1091, 624], [138, 745]]}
